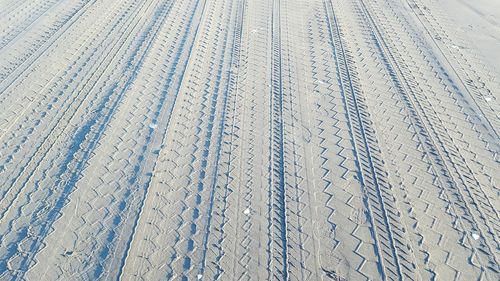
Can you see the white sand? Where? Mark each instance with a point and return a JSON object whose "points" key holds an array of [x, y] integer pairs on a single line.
{"points": [[249, 140]]}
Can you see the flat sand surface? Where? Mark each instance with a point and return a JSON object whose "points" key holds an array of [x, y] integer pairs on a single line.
{"points": [[249, 140]]}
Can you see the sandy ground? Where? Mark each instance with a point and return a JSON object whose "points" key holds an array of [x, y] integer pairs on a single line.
{"points": [[249, 140]]}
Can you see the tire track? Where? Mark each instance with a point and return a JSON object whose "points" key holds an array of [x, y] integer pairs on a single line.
{"points": [[20, 66], [53, 133], [17, 101], [414, 181], [277, 229], [299, 236], [15, 5], [124, 212], [201, 175], [460, 119], [34, 16], [344, 233], [56, 129], [237, 140], [131, 205], [209, 103], [392, 247], [149, 183], [218, 196], [446, 163], [9, 7], [242, 229], [475, 86], [79, 152]]}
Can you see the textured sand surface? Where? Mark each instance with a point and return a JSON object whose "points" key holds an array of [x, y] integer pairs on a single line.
{"points": [[249, 140]]}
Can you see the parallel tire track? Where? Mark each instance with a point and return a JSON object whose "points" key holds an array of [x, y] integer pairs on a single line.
{"points": [[238, 140], [229, 101], [393, 250], [67, 112], [21, 65], [79, 152], [35, 15], [448, 164]]}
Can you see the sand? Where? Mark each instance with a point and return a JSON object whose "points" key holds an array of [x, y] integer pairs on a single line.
{"points": [[249, 140]]}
